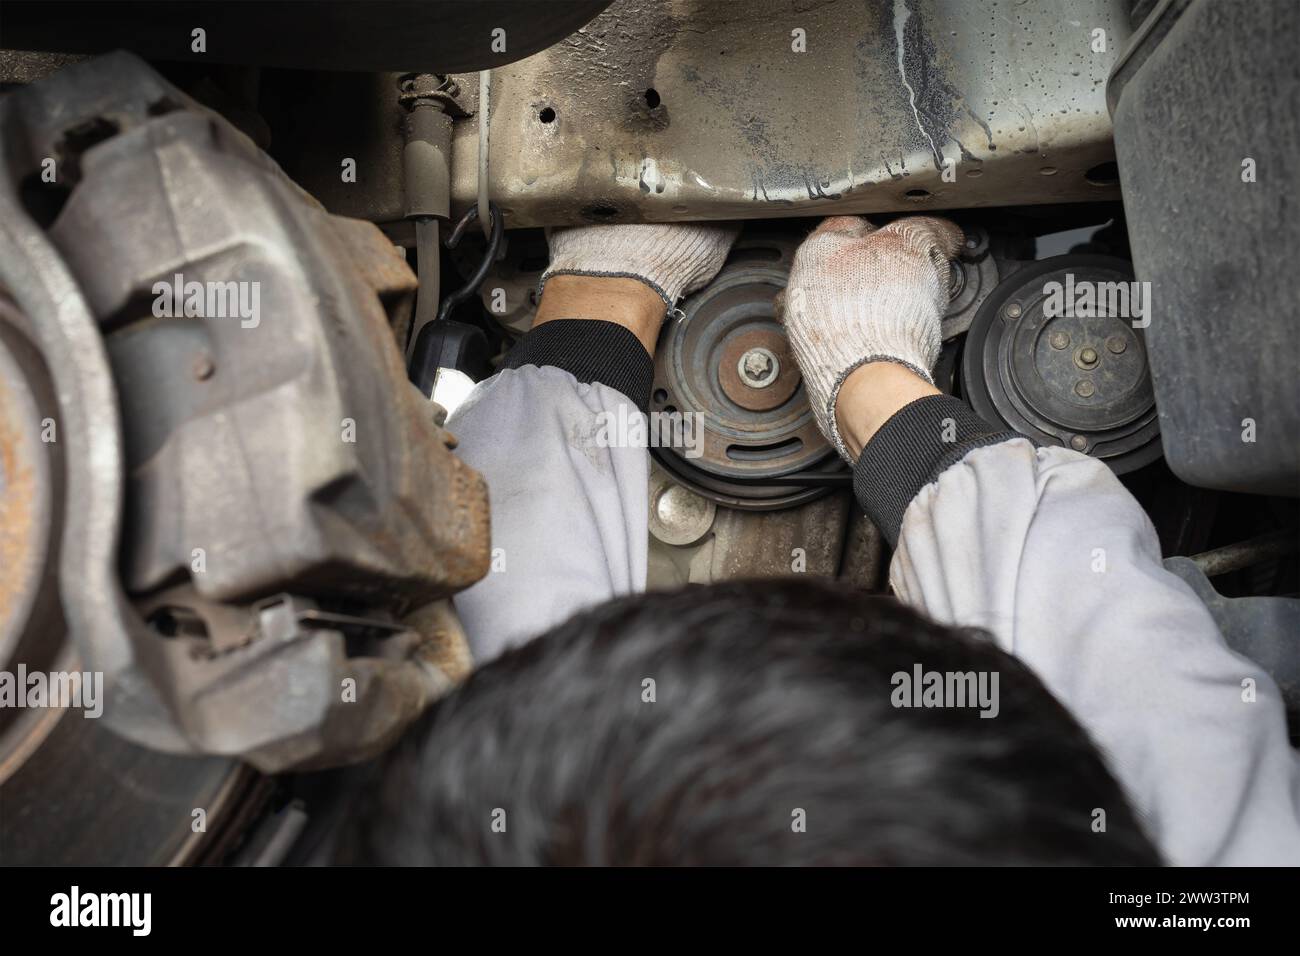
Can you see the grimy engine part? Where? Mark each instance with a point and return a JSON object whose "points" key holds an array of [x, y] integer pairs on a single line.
{"points": [[245, 505], [724, 359], [1051, 356]]}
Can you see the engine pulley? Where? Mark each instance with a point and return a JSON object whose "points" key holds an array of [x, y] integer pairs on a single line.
{"points": [[1056, 352], [727, 360]]}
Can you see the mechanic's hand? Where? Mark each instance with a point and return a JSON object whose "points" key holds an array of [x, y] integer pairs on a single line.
{"points": [[673, 260], [858, 295]]}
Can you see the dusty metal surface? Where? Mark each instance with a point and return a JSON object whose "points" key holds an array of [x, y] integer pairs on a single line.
{"points": [[290, 451], [334, 480], [71, 791], [383, 267], [865, 563], [666, 110], [694, 541]]}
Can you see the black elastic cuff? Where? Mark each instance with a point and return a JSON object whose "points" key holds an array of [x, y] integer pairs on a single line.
{"points": [[590, 350], [912, 449]]}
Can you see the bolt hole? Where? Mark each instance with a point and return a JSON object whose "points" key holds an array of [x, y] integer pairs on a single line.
{"points": [[652, 99], [547, 115], [600, 211], [916, 195], [660, 396], [1103, 174]]}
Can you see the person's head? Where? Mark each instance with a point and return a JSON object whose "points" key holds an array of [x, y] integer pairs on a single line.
{"points": [[748, 723]]}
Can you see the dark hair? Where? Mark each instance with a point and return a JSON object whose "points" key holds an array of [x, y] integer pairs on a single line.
{"points": [[770, 698]]}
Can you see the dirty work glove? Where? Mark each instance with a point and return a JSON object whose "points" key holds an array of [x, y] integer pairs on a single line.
{"points": [[859, 294], [674, 260]]}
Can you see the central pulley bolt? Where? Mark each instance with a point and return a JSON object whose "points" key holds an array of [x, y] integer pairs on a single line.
{"points": [[1087, 357], [758, 367]]}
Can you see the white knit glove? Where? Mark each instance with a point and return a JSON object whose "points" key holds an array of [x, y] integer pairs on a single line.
{"points": [[674, 260], [858, 294]]}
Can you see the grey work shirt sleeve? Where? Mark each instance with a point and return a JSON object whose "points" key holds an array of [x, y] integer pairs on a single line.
{"points": [[1044, 548], [568, 504]]}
